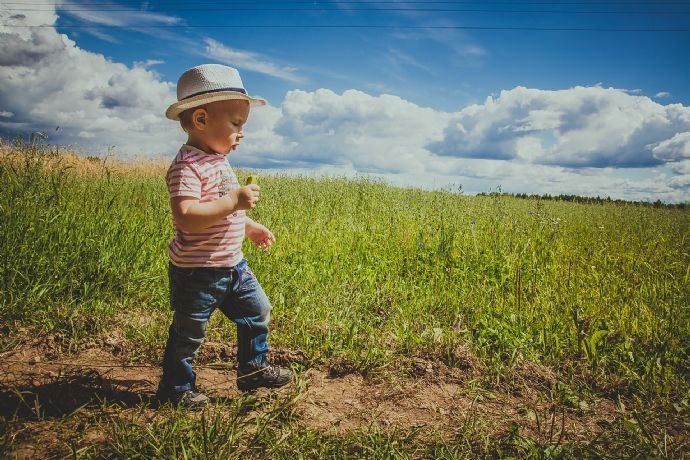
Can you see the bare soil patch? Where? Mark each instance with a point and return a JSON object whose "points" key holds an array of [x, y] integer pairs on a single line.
{"points": [[45, 392]]}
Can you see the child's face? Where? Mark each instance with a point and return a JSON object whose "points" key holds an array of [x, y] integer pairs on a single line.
{"points": [[223, 129]]}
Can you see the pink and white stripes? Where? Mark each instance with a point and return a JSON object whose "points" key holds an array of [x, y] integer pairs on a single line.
{"points": [[206, 177]]}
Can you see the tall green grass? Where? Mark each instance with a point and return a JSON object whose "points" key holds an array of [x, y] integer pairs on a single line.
{"points": [[364, 274]]}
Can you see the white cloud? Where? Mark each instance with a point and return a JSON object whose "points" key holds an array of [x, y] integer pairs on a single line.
{"points": [[662, 94], [374, 134], [676, 148], [248, 60], [354, 132], [103, 14], [682, 167], [577, 127], [46, 80], [262, 138], [464, 50], [101, 35], [118, 16], [147, 64], [402, 60]]}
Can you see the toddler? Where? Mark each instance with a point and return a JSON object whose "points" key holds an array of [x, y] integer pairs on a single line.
{"points": [[207, 269]]}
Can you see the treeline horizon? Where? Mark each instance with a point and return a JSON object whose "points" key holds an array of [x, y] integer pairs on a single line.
{"points": [[587, 199]]}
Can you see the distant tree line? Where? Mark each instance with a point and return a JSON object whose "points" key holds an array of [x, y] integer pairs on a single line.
{"points": [[588, 199]]}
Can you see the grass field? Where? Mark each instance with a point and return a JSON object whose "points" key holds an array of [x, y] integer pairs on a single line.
{"points": [[562, 329]]}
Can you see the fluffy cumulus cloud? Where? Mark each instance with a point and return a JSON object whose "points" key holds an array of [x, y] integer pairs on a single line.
{"points": [[383, 134], [577, 127], [47, 81], [589, 141], [582, 140], [676, 148]]}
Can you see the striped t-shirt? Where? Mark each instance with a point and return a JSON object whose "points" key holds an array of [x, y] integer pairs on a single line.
{"points": [[207, 177]]}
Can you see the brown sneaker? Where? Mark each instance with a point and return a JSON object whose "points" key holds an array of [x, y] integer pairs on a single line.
{"points": [[267, 376]]}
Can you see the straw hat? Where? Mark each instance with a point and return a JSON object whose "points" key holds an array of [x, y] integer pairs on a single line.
{"points": [[209, 83]]}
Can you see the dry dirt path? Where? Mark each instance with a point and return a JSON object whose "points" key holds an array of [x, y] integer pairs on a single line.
{"points": [[41, 388]]}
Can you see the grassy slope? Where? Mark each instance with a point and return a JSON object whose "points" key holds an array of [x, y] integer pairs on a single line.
{"points": [[365, 275]]}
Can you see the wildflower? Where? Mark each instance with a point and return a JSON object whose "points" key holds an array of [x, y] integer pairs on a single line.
{"points": [[420, 244], [472, 222]]}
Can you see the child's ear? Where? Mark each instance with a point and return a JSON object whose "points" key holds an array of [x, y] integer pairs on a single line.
{"points": [[200, 118]]}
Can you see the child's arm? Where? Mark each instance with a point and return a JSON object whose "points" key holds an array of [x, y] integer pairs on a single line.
{"points": [[192, 216], [249, 224]]}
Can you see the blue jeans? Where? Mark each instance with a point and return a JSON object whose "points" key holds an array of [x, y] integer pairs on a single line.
{"points": [[195, 292]]}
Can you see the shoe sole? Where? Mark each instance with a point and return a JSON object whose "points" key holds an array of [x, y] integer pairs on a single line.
{"points": [[252, 386], [162, 401], [193, 407]]}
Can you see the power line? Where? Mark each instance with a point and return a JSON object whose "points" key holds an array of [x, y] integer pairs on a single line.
{"points": [[269, 10], [354, 26], [377, 2]]}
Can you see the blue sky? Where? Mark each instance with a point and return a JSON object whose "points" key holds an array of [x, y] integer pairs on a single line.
{"points": [[423, 98], [441, 68]]}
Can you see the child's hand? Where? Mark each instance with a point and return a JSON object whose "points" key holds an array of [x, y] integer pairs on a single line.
{"points": [[247, 197], [260, 235]]}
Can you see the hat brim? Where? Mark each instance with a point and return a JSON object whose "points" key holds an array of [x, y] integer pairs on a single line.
{"points": [[174, 111]]}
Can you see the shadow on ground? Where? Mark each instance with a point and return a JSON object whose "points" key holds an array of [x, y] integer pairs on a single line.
{"points": [[62, 395]]}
